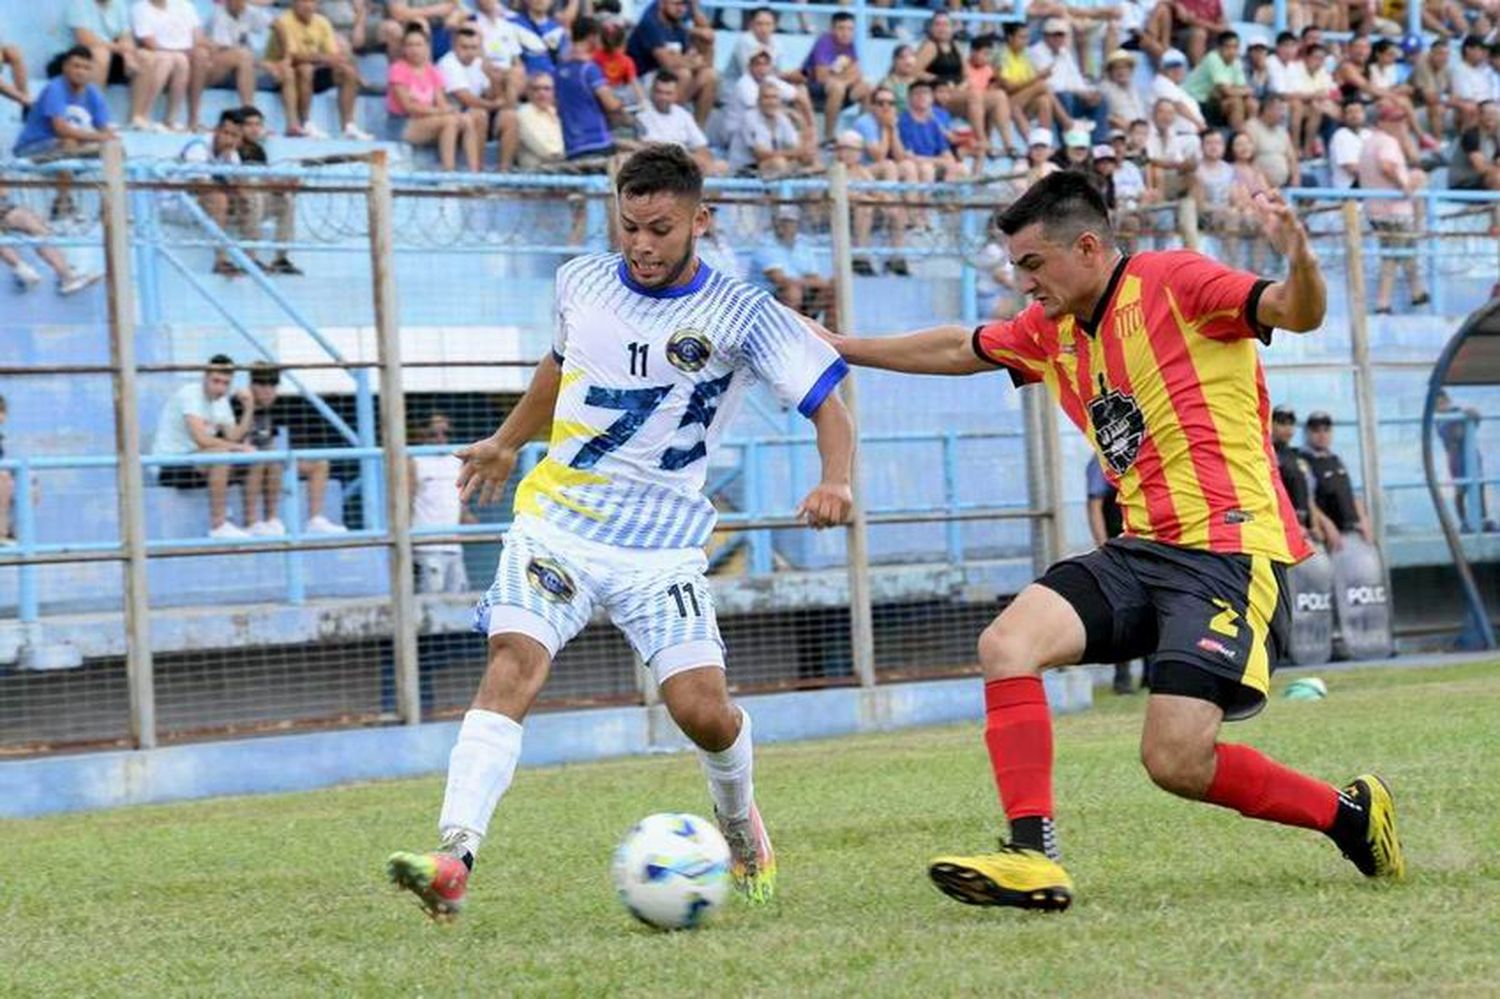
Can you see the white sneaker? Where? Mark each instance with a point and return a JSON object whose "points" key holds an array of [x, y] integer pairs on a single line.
{"points": [[272, 528], [26, 276], [312, 131], [78, 282], [322, 525], [228, 529], [354, 132]]}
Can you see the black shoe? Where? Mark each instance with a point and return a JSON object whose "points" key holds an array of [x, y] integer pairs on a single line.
{"points": [[1420, 300], [1384, 310], [1365, 828], [862, 267], [228, 268], [898, 267], [281, 265]]}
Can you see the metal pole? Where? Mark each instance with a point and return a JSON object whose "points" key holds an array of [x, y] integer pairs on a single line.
{"points": [[1364, 379], [138, 667], [1042, 479], [861, 613], [393, 422]]}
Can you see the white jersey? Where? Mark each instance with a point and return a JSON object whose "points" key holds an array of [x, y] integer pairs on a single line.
{"points": [[649, 382], [435, 503]]}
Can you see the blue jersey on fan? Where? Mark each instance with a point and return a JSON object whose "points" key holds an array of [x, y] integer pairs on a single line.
{"points": [[650, 379]]}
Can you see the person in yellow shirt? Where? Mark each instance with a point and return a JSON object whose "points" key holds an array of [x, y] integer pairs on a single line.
{"points": [[1031, 102], [305, 57]]}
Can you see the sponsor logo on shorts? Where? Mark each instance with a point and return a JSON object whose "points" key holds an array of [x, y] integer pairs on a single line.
{"points": [[550, 580], [1314, 601], [1362, 596], [1216, 646], [688, 350]]}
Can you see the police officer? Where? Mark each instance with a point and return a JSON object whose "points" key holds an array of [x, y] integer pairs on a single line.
{"points": [[1333, 496]]}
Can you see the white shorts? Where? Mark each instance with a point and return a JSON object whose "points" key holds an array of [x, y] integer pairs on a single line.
{"points": [[548, 583], [440, 571]]}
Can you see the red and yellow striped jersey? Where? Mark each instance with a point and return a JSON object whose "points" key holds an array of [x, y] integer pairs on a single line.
{"points": [[1166, 383]]}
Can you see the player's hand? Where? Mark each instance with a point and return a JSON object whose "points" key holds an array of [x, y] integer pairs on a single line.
{"points": [[827, 505], [828, 336], [1279, 221], [487, 465]]}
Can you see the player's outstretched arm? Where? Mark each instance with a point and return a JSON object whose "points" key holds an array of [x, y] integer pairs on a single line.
{"points": [[487, 463], [1298, 303], [938, 350], [831, 500]]}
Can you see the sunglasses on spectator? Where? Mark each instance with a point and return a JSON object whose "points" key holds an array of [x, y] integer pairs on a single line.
{"points": [[886, 103]]}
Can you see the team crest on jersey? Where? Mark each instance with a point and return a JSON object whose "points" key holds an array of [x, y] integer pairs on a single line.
{"points": [[1130, 319], [1119, 427], [688, 350], [550, 580]]}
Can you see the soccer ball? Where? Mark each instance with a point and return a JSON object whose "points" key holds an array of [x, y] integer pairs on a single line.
{"points": [[672, 870]]}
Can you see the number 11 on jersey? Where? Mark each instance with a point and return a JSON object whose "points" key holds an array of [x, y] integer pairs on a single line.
{"points": [[638, 353]]}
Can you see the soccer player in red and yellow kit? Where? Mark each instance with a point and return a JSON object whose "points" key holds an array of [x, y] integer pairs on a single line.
{"points": [[1153, 356]]}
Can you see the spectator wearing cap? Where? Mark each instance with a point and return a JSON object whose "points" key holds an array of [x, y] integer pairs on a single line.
{"points": [[1275, 151], [1026, 87], [1383, 167], [1172, 158], [274, 424], [1432, 84], [744, 96], [1194, 22], [1346, 145], [1476, 157], [1296, 473], [833, 74], [1332, 492], [198, 419], [1471, 80], [664, 120], [305, 58], [1054, 56], [1167, 85], [788, 269], [1104, 162], [1075, 152], [1039, 162], [1123, 103], [1219, 85], [479, 93], [539, 126], [849, 150], [665, 38], [925, 132], [1095, 26], [768, 143], [1312, 98]]}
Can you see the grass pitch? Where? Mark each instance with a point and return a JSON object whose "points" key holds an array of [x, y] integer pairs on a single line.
{"points": [[285, 895]]}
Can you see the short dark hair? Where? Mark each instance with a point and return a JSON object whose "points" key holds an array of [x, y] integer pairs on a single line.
{"points": [[1285, 36], [988, 40], [1066, 204], [250, 111], [841, 17], [661, 167], [78, 52], [264, 373], [468, 31], [1224, 38], [1474, 41], [1014, 28], [231, 116], [759, 11], [413, 28], [584, 27], [221, 361], [915, 85], [664, 76]]}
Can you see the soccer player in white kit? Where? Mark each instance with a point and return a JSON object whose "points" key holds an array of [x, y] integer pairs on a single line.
{"points": [[652, 355]]}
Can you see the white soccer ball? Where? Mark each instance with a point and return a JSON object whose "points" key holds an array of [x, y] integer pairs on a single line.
{"points": [[672, 870]]}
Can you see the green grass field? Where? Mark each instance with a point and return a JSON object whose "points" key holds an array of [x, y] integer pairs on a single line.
{"points": [[278, 895]]}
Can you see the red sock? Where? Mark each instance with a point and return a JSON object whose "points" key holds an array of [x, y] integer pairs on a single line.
{"points": [[1018, 733], [1258, 787]]}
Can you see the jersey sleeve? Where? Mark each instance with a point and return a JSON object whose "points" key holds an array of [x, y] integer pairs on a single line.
{"points": [[1013, 345], [800, 368], [1220, 301], [559, 320]]}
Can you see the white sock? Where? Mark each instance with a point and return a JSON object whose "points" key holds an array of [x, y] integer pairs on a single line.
{"points": [[729, 773], [480, 769]]}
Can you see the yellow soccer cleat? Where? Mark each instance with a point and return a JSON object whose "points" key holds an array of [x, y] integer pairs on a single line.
{"points": [[1015, 876], [753, 861], [1378, 854]]}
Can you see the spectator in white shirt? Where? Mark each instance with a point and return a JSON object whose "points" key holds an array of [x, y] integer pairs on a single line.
{"points": [[1172, 162], [1279, 65], [476, 91], [1167, 86], [768, 143], [1079, 97], [197, 419], [173, 26], [759, 35], [168, 29], [745, 95], [238, 31], [1346, 145], [664, 120], [1122, 102], [500, 44], [1471, 81], [1312, 98]]}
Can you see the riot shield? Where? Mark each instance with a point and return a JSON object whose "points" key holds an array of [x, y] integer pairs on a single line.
{"points": [[1311, 597], [1360, 600]]}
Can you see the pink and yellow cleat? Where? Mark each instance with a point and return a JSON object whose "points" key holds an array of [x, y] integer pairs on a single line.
{"points": [[440, 880], [752, 860]]}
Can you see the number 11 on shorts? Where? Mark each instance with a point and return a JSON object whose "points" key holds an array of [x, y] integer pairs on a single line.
{"points": [[686, 599]]}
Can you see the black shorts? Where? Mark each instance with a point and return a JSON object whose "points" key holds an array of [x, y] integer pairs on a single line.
{"points": [[1209, 625]]}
